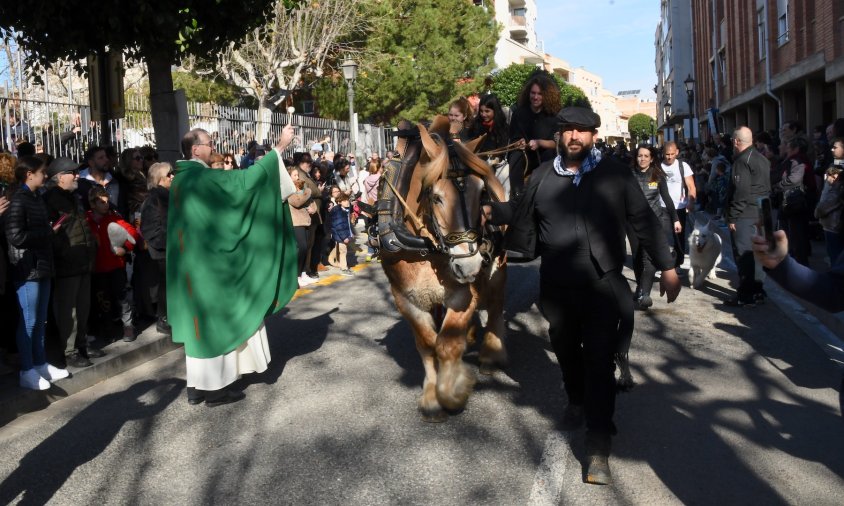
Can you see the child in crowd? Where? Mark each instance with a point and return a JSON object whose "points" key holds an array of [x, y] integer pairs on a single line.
{"points": [[341, 233], [115, 238]]}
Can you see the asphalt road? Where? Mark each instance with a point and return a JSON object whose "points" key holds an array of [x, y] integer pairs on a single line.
{"points": [[733, 406]]}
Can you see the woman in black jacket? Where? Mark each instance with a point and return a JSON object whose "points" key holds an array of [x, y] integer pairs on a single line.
{"points": [[651, 178], [31, 255], [154, 231]]}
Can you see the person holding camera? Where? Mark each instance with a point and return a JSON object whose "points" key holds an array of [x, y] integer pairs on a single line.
{"points": [[831, 203]]}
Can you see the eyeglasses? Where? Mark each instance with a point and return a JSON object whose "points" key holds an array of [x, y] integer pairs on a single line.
{"points": [[71, 172], [228, 162], [210, 144], [171, 174]]}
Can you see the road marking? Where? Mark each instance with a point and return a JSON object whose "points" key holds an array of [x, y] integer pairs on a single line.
{"points": [[549, 476]]}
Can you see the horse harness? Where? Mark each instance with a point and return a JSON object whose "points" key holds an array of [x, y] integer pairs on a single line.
{"points": [[457, 173]]}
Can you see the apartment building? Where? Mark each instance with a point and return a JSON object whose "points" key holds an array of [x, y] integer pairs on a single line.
{"points": [[674, 66], [762, 62], [518, 42]]}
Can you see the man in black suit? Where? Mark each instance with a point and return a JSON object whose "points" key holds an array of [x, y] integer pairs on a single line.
{"points": [[573, 215]]}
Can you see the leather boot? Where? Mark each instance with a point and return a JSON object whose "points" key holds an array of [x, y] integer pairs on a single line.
{"points": [[597, 469]]}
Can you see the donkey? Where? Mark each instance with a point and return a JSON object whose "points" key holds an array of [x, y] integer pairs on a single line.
{"points": [[438, 292]]}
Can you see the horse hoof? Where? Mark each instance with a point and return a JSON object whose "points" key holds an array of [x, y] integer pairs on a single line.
{"points": [[434, 417], [487, 369]]}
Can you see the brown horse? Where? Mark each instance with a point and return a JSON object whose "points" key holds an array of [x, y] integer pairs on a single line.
{"points": [[439, 292]]}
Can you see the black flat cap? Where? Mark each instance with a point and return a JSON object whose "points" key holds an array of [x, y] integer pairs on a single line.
{"points": [[60, 165], [579, 117]]}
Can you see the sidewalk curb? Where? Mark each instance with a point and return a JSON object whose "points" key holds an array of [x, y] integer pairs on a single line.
{"points": [[120, 357]]}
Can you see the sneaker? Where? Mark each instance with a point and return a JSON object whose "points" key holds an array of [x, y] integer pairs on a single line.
{"points": [[644, 302], [32, 380], [304, 280], [312, 275], [129, 334], [51, 372], [77, 360], [163, 327], [346, 272], [368, 258]]}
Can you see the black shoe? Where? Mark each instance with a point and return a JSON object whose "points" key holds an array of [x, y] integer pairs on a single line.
{"points": [[572, 417], [163, 327], [94, 352], [224, 396], [644, 302], [759, 297], [740, 302], [195, 396], [77, 360]]}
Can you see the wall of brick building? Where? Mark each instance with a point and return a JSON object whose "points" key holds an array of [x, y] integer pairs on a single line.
{"points": [[807, 71]]}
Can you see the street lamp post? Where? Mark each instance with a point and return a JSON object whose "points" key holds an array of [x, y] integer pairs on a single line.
{"points": [[350, 73], [665, 125], [690, 96]]}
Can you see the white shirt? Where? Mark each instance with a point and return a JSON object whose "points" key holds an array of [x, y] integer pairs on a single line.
{"points": [[675, 183]]}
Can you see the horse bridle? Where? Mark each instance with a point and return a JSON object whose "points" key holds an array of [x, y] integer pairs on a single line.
{"points": [[457, 173]]}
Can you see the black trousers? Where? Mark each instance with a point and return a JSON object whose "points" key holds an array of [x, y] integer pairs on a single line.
{"points": [[584, 331], [161, 305], [302, 247]]}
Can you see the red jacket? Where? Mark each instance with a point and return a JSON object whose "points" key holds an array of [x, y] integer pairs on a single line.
{"points": [[107, 261]]}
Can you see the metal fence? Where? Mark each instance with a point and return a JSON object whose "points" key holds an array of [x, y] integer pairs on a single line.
{"points": [[65, 128]]}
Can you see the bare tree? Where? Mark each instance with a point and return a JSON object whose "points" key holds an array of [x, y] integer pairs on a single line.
{"points": [[272, 59]]}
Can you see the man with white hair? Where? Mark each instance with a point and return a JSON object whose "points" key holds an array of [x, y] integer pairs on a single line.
{"points": [[231, 262], [750, 180]]}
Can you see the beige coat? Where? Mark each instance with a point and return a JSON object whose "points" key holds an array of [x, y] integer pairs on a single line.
{"points": [[299, 203]]}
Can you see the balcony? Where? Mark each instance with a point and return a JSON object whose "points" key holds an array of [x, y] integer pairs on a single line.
{"points": [[515, 4], [518, 27]]}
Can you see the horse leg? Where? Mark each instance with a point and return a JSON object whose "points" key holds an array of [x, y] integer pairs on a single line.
{"points": [[454, 379], [493, 353], [422, 324]]}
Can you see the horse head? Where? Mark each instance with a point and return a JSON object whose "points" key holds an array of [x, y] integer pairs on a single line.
{"points": [[454, 182]]}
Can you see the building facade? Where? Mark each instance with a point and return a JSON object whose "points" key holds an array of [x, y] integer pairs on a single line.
{"points": [[517, 42], [674, 65], [763, 62]]}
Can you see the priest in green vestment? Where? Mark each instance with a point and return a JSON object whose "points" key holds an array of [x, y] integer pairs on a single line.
{"points": [[231, 262]]}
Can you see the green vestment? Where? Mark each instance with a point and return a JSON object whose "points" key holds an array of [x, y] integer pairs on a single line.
{"points": [[231, 254]]}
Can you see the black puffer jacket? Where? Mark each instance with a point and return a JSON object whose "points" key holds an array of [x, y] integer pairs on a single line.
{"points": [[28, 232], [74, 247]]}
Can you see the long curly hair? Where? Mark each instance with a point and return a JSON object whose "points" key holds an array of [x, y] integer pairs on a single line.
{"points": [[7, 168], [551, 101]]}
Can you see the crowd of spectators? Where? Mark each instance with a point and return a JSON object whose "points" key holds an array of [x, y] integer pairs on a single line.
{"points": [[84, 243]]}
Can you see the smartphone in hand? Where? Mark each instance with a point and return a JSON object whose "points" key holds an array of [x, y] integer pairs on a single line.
{"points": [[766, 221]]}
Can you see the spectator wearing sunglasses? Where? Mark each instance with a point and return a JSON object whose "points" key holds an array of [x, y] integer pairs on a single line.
{"points": [[229, 162], [74, 251]]}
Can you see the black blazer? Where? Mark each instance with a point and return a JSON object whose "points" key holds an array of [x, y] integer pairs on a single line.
{"points": [[615, 200]]}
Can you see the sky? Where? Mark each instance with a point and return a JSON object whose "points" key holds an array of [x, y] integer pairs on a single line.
{"points": [[611, 38]]}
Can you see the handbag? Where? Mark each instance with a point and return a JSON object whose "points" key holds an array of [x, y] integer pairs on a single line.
{"points": [[793, 202]]}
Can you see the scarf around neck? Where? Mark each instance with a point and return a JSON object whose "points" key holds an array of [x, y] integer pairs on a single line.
{"points": [[591, 161]]}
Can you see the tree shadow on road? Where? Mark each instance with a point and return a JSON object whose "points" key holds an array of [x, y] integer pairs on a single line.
{"points": [[704, 450], [45, 469], [289, 338]]}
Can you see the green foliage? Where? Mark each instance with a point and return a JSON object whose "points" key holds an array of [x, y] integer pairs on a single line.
{"points": [[71, 29], [427, 53], [640, 126], [508, 83], [208, 90]]}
